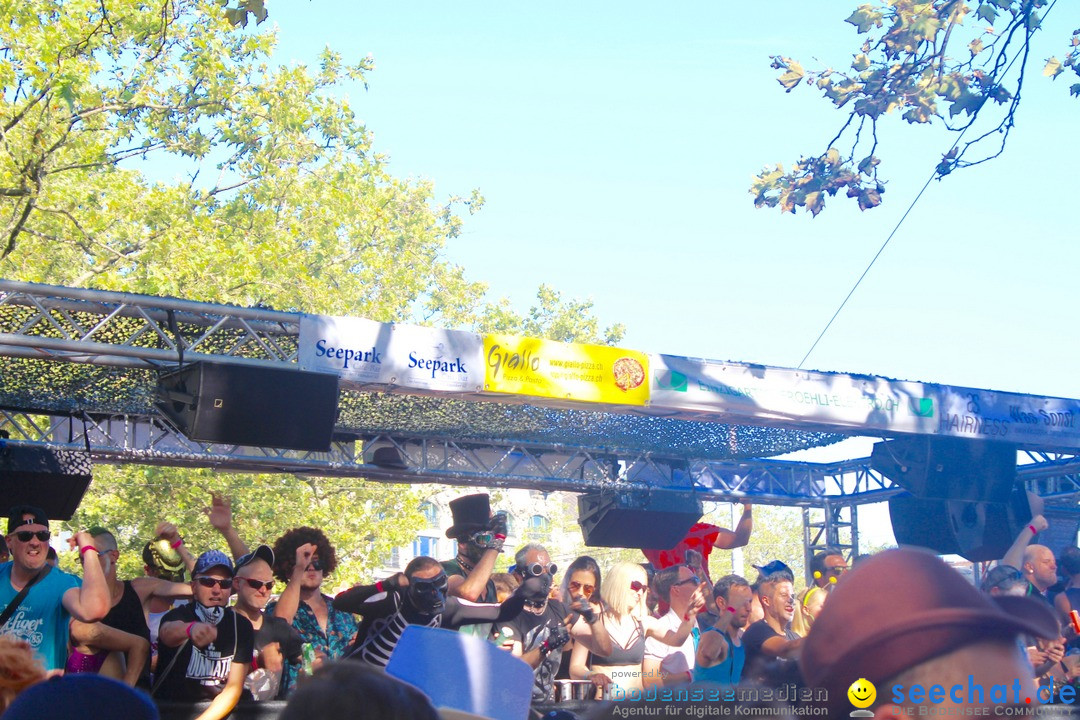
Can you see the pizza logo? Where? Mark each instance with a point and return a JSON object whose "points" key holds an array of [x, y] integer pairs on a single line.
{"points": [[628, 374]]}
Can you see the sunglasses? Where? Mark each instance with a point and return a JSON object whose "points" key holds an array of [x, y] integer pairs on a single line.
{"points": [[26, 535], [536, 604], [638, 586], [314, 564], [209, 582], [538, 569], [256, 584], [692, 580], [838, 570], [576, 587]]}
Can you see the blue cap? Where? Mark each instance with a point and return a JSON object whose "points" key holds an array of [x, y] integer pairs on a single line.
{"points": [[212, 559], [86, 696]]}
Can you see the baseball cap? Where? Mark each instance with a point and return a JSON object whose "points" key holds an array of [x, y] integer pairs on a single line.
{"points": [[17, 517], [212, 559], [263, 552], [870, 629]]}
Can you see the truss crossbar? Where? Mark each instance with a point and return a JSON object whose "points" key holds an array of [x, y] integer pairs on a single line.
{"points": [[118, 439]]}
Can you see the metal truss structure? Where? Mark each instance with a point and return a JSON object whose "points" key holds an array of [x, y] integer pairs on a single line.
{"points": [[134, 333]]}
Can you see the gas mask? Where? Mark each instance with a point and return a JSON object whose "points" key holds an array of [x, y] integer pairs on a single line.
{"points": [[428, 595]]}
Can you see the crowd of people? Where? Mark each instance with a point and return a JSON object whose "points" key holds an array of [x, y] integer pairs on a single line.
{"points": [[208, 628]]}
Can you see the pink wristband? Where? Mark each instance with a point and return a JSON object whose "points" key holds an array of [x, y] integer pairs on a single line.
{"points": [[187, 630], [84, 548], [178, 543], [1033, 530]]}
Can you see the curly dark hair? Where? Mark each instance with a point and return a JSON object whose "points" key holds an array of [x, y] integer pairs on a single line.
{"points": [[285, 551]]}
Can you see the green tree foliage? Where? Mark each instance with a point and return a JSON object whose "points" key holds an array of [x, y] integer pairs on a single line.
{"points": [[961, 63], [154, 147]]}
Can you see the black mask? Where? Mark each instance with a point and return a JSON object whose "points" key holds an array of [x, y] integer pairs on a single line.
{"points": [[428, 595]]}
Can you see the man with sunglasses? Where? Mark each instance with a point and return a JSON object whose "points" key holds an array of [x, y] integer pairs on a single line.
{"points": [[205, 648], [41, 619], [480, 536], [545, 625], [681, 589], [827, 567], [275, 639]]}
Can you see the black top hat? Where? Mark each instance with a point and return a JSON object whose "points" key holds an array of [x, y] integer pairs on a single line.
{"points": [[471, 512]]}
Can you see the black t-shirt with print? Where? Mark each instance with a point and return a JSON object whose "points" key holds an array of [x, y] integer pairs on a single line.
{"points": [[200, 674]]}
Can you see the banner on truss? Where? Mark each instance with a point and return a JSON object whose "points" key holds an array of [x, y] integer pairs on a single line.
{"points": [[567, 371], [365, 351], [745, 392]]}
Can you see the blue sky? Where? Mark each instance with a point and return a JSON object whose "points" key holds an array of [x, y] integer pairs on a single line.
{"points": [[615, 144]]}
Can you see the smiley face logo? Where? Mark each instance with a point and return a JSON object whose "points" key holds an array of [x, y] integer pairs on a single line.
{"points": [[862, 693]]}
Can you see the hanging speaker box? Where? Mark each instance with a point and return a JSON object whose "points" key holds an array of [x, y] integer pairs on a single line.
{"points": [[251, 406], [53, 480]]}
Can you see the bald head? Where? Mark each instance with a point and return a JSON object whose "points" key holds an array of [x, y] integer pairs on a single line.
{"points": [[1040, 568]]}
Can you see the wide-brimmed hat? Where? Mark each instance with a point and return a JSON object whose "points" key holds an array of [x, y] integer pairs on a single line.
{"points": [[471, 513], [901, 608]]}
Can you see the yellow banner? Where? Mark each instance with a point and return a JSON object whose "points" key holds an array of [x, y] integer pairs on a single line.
{"points": [[569, 371]]}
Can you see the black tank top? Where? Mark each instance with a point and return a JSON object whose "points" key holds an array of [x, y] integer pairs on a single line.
{"points": [[127, 615]]}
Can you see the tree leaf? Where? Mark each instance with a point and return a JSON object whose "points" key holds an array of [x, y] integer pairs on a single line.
{"points": [[864, 18], [792, 77], [1053, 68], [987, 12]]}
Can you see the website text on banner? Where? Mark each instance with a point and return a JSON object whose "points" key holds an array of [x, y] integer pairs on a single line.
{"points": [[568, 371]]}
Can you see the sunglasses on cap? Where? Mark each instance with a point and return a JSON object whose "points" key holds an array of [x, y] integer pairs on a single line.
{"points": [[583, 588], [537, 569], [209, 582], [26, 535], [256, 584], [638, 586]]}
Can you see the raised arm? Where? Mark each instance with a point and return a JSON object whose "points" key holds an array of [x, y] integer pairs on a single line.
{"points": [[90, 602], [1015, 554], [171, 533], [289, 602], [728, 540], [220, 516]]}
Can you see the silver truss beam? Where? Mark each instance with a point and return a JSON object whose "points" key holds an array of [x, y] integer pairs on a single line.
{"points": [[128, 330], [101, 327]]}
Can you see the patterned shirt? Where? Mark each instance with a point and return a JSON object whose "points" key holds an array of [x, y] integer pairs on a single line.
{"points": [[340, 630]]}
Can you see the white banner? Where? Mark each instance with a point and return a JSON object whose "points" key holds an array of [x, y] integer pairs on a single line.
{"points": [[767, 394], [411, 356]]}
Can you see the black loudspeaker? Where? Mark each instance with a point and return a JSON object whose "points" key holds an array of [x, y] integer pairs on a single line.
{"points": [[253, 406], [948, 468], [979, 531], [53, 480], [636, 520]]}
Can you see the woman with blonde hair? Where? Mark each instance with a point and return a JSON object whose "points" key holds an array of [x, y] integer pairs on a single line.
{"points": [[628, 623]]}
